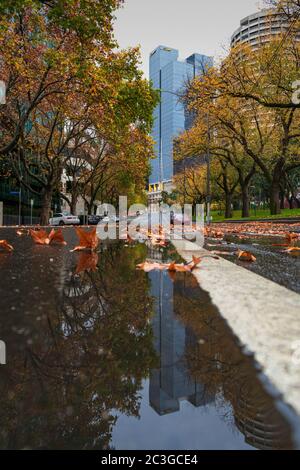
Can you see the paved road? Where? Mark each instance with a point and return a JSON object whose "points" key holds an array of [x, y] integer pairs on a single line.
{"points": [[272, 262]]}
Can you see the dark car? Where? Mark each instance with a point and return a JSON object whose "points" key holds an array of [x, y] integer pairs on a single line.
{"points": [[94, 219]]}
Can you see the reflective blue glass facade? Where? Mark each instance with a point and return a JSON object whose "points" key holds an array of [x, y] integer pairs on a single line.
{"points": [[170, 75]]}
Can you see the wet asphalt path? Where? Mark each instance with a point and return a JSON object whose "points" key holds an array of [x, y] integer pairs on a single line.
{"points": [[272, 261]]}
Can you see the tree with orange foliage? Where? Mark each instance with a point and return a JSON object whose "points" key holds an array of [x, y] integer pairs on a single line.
{"points": [[65, 86], [269, 137]]}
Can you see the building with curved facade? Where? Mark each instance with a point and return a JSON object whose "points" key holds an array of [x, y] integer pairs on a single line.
{"points": [[256, 29]]}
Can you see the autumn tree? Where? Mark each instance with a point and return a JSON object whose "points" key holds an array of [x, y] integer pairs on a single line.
{"points": [[230, 165], [46, 47], [191, 185], [61, 77], [268, 136], [289, 8], [121, 168]]}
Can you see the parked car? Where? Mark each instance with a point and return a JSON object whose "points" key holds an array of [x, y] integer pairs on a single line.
{"points": [[110, 218], [179, 219], [94, 219], [63, 218]]}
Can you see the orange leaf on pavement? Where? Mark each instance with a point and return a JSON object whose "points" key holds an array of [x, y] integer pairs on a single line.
{"points": [[196, 262], [292, 236], [246, 256]]}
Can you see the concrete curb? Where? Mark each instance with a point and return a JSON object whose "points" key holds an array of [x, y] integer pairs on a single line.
{"points": [[287, 221], [264, 315]]}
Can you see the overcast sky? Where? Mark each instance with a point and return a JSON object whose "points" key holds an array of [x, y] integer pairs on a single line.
{"points": [[203, 26]]}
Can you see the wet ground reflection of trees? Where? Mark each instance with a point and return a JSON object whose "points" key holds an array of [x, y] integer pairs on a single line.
{"points": [[66, 380], [214, 359]]}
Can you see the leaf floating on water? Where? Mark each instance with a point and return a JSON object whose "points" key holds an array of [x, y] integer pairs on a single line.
{"points": [[87, 240], [147, 267], [41, 237], [171, 267], [57, 237], [6, 246], [87, 262], [178, 268], [293, 250], [246, 256], [22, 231], [172, 275]]}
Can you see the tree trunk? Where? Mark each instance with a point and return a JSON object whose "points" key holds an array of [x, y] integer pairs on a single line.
{"points": [[282, 200], [246, 202], [275, 198], [73, 204], [228, 207], [46, 206]]}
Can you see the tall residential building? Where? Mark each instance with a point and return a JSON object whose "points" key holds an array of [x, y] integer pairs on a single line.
{"points": [[170, 75], [256, 29]]}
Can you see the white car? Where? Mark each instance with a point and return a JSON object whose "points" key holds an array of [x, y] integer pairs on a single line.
{"points": [[63, 218], [110, 218]]}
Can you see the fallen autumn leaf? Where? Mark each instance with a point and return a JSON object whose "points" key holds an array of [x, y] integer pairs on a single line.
{"points": [[41, 237], [246, 256], [87, 262], [6, 246], [87, 240]]}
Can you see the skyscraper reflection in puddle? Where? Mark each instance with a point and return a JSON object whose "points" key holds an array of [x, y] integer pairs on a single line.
{"points": [[202, 362]]}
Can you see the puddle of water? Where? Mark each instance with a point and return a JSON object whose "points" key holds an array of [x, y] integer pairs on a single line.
{"points": [[120, 359]]}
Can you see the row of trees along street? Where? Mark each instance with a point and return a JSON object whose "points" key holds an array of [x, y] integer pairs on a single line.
{"points": [[74, 103], [247, 119]]}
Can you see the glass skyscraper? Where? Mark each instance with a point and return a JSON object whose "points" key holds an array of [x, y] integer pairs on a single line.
{"points": [[170, 75]]}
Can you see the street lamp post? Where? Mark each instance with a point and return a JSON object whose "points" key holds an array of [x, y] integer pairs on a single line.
{"points": [[20, 192], [31, 211], [208, 185]]}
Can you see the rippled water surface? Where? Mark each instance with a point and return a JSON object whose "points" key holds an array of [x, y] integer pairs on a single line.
{"points": [[117, 358]]}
